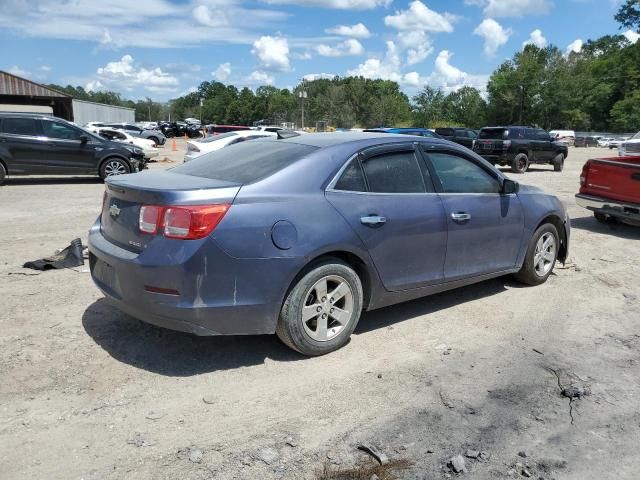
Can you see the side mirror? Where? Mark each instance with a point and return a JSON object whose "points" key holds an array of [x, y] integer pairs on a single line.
{"points": [[84, 139], [509, 186]]}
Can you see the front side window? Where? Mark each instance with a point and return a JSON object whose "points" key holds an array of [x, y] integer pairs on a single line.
{"points": [[60, 131], [542, 135], [394, 172], [459, 175], [20, 126]]}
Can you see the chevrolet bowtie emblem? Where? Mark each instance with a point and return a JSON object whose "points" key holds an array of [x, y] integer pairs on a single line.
{"points": [[114, 211]]}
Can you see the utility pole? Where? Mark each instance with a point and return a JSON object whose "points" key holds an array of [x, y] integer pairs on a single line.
{"points": [[201, 102], [521, 102], [302, 94]]}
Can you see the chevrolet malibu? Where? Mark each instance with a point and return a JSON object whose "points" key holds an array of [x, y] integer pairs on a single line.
{"points": [[300, 235]]}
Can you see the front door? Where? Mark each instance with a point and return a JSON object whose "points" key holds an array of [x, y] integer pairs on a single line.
{"points": [[68, 154], [387, 197], [485, 227]]}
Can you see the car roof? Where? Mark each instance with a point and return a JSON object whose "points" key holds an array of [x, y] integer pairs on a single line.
{"points": [[330, 139]]}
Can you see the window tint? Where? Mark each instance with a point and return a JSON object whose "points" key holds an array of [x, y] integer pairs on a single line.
{"points": [[542, 135], [530, 134], [397, 172], [60, 131], [246, 162], [352, 179], [20, 126], [459, 175], [493, 133], [516, 133], [132, 128]]}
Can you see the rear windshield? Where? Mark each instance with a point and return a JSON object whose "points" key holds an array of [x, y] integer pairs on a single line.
{"points": [[214, 138], [494, 133], [245, 162]]}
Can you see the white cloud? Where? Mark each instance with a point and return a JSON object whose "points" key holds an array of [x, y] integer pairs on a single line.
{"points": [[387, 68], [273, 53], [339, 4], [632, 36], [536, 38], [126, 74], [310, 77], [350, 47], [494, 35], [260, 78], [358, 30], [45, 68], [420, 17], [450, 78], [222, 72], [418, 45], [209, 17], [515, 8], [18, 72], [575, 46], [94, 86]]}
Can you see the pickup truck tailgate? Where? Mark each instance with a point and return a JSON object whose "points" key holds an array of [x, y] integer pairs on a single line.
{"points": [[614, 178]]}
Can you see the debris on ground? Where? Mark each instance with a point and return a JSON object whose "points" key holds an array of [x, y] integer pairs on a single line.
{"points": [[209, 400], [195, 455], [472, 454], [457, 464], [139, 441], [268, 455], [375, 453], [154, 415], [69, 257]]}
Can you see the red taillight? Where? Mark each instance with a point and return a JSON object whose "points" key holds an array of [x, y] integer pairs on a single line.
{"points": [[186, 222], [584, 174], [150, 218]]}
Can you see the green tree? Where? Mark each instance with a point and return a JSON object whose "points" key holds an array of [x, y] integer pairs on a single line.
{"points": [[629, 14], [429, 107]]}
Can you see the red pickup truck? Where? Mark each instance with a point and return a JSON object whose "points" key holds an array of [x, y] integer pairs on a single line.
{"points": [[610, 187]]}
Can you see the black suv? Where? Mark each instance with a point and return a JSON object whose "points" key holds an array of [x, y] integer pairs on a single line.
{"points": [[463, 136], [520, 147], [33, 144]]}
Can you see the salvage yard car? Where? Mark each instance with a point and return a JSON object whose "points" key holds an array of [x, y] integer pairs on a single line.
{"points": [[35, 144], [420, 132], [147, 146], [610, 188], [630, 147], [197, 148], [300, 235], [519, 147]]}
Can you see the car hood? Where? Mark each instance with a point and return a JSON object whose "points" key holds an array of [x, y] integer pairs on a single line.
{"points": [[530, 189]]}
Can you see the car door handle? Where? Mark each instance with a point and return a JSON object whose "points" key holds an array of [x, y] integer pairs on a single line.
{"points": [[373, 221], [460, 217]]}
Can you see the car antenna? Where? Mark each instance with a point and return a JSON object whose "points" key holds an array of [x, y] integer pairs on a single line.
{"points": [[282, 134]]}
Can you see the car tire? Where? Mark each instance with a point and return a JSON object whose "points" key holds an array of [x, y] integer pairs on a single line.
{"points": [[537, 266], [3, 174], [520, 163], [113, 166], [558, 162], [604, 218], [155, 140], [306, 309]]}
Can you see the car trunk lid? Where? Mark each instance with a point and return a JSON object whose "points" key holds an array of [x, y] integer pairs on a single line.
{"points": [[615, 178], [125, 194]]}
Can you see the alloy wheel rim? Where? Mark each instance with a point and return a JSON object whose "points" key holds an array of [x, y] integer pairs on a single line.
{"points": [[114, 168], [545, 254], [327, 308]]}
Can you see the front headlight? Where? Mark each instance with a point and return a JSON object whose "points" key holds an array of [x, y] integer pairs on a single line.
{"points": [[135, 150]]}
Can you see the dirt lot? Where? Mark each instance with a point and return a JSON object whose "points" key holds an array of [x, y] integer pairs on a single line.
{"points": [[89, 393]]}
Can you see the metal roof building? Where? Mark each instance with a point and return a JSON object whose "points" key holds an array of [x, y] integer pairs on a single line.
{"points": [[21, 95]]}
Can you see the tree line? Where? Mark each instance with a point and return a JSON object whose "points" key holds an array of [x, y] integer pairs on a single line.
{"points": [[597, 88]]}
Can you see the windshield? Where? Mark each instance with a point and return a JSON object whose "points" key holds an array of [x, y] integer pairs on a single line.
{"points": [[245, 162], [636, 136], [215, 138]]}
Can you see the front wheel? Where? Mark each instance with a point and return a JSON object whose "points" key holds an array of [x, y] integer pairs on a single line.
{"points": [[541, 257], [322, 309], [558, 163], [113, 166]]}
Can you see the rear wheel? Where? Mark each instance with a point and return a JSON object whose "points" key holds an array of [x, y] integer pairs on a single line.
{"points": [[3, 174], [558, 163], [113, 166], [155, 141], [541, 257], [322, 309], [520, 163]]}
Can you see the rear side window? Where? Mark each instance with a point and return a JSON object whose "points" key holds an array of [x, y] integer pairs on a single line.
{"points": [[445, 131], [20, 126], [60, 131], [493, 133], [460, 175], [352, 179], [542, 135], [246, 162], [395, 172]]}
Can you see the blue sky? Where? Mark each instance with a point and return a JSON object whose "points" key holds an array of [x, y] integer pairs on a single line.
{"points": [[164, 48]]}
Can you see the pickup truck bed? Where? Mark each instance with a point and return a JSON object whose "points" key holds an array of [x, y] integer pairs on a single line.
{"points": [[610, 187]]}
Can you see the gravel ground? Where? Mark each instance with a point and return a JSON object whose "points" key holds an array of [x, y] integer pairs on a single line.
{"points": [[89, 393]]}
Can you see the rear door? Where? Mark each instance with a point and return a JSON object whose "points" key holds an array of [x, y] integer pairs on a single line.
{"points": [[26, 148], [387, 196], [485, 228], [68, 154]]}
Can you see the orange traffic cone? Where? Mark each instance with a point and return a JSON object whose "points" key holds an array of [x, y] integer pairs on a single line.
{"points": [[174, 147]]}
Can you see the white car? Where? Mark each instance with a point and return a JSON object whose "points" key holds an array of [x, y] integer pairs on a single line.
{"points": [[196, 148], [93, 126], [118, 135], [604, 141], [616, 142], [631, 147]]}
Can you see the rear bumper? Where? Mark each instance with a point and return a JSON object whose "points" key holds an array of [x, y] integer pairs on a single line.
{"points": [[218, 294], [615, 208], [503, 158]]}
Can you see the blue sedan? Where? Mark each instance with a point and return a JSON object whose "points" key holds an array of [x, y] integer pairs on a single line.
{"points": [[300, 235]]}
